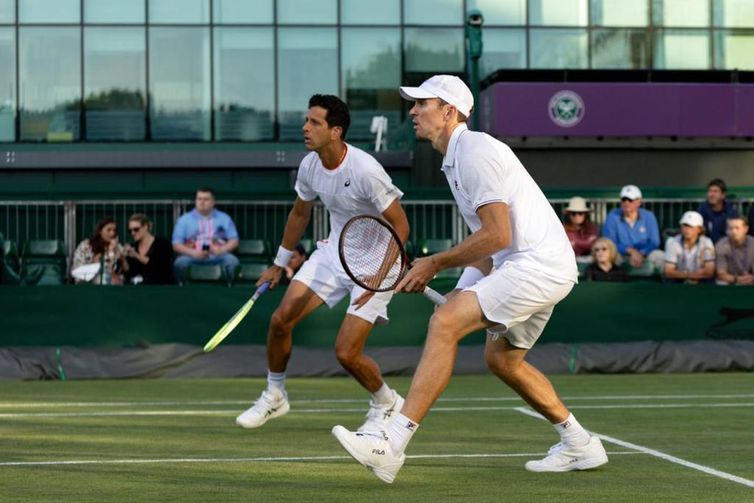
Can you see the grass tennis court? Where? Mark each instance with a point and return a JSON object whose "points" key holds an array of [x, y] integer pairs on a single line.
{"points": [[679, 438]]}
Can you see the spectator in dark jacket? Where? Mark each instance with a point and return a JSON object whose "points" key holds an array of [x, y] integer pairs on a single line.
{"points": [[716, 210], [605, 266]]}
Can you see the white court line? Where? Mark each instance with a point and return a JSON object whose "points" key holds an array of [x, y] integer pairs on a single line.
{"points": [[360, 400], [655, 453], [263, 460], [10, 415]]}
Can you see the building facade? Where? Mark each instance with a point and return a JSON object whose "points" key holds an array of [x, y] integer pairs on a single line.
{"points": [[242, 70]]}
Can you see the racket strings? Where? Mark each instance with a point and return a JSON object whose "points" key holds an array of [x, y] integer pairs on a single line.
{"points": [[372, 254]]}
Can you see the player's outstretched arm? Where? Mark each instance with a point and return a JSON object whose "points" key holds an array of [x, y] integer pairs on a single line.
{"points": [[298, 220], [397, 219]]}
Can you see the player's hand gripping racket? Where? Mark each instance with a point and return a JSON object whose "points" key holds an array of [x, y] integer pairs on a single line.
{"points": [[373, 256], [235, 319]]}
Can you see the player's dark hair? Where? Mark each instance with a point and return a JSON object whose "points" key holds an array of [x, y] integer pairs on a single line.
{"points": [[337, 111], [719, 183]]}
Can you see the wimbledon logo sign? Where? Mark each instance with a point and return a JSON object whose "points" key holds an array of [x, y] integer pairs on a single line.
{"points": [[566, 108]]}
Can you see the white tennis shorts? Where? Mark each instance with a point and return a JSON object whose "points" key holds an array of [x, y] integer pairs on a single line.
{"points": [[324, 275], [521, 300]]}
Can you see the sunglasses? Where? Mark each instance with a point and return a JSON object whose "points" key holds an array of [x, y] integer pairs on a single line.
{"points": [[625, 199], [600, 249], [577, 212], [134, 229]]}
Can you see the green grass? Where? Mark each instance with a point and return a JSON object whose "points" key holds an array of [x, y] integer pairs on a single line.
{"points": [[197, 425]]}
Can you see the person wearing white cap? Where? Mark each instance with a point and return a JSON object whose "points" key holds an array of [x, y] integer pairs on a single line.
{"points": [[513, 228], [634, 230], [690, 256], [580, 231]]}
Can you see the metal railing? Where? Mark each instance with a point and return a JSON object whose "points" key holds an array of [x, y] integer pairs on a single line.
{"points": [[72, 221]]}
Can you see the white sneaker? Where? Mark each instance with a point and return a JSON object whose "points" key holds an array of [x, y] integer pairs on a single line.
{"points": [[372, 450], [564, 458], [270, 405], [379, 415]]}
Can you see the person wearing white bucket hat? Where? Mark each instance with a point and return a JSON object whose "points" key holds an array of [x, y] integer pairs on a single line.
{"points": [[514, 228], [690, 256], [581, 232]]}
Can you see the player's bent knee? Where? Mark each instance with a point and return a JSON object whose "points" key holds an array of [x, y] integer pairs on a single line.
{"points": [[443, 327], [501, 366], [346, 354], [280, 322]]}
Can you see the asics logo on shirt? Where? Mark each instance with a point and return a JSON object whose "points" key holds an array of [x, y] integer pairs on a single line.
{"points": [[348, 182]]}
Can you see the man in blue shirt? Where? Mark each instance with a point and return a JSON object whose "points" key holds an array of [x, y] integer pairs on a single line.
{"points": [[634, 230], [716, 210], [204, 235]]}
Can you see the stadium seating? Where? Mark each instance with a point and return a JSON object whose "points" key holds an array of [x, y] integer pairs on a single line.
{"points": [[207, 273], [9, 263], [432, 246], [254, 257], [43, 262], [647, 271]]}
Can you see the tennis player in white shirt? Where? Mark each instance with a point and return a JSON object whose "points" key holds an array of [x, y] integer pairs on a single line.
{"points": [[349, 182], [514, 229]]}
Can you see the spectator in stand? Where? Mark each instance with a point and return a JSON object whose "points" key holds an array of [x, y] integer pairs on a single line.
{"points": [[581, 232], [605, 266], [690, 256], [735, 255], [634, 230], [150, 258], [204, 235], [297, 260], [716, 210], [102, 254]]}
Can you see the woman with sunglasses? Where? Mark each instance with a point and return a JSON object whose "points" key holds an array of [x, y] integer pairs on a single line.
{"points": [[605, 265], [150, 258], [581, 232]]}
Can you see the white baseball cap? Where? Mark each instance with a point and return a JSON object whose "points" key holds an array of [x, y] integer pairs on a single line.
{"points": [[446, 87], [693, 219], [631, 192]]}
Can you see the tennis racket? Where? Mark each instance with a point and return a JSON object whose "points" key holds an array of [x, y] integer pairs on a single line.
{"points": [[233, 322], [373, 256]]}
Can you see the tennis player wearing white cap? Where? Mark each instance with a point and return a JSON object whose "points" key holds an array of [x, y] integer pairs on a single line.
{"points": [[513, 228]]}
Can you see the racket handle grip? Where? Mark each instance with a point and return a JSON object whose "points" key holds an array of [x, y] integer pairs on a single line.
{"points": [[435, 296], [262, 288]]}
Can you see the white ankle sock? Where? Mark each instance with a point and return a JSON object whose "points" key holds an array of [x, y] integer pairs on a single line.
{"points": [[384, 395], [571, 432], [399, 432], [276, 381]]}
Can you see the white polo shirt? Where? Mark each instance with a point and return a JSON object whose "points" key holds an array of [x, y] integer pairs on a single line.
{"points": [[359, 186], [482, 170]]}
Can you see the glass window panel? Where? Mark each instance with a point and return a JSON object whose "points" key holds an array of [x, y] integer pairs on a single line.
{"points": [[307, 12], [371, 71], [620, 12], [179, 11], [49, 11], [620, 49], [50, 80], [558, 12], [734, 13], [370, 13], [682, 50], [307, 64], [429, 12], [7, 11], [555, 48], [113, 11], [505, 12], [114, 83], [179, 83], [734, 50], [503, 48], [244, 67], [434, 50], [7, 84], [243, 11], [681, 13]]}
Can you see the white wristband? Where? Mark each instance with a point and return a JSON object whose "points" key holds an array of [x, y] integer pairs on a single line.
{"points": [[283, 257], [470, 276]]}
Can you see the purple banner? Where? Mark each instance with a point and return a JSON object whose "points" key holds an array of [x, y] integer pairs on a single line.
{"points": [[614, 109]]}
